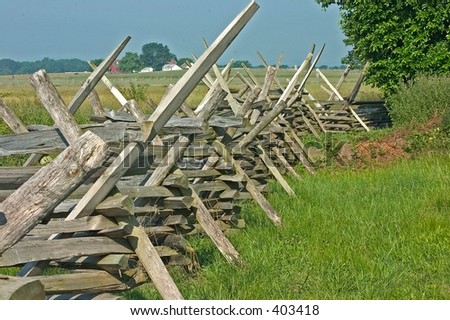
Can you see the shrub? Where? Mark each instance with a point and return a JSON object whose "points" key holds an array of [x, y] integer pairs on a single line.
{"points": [[418, 102], [137, 92]]}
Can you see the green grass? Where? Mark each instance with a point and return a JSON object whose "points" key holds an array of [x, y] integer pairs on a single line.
{"points": [[379, 233]]}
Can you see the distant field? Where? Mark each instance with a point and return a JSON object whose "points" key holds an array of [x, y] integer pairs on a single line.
{"points": [[17, 87]]}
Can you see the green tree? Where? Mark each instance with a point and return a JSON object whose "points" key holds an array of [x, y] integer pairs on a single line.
{"points": [[183, 60], [131, 62], [156, 55], [8, 66], [400, 39]]}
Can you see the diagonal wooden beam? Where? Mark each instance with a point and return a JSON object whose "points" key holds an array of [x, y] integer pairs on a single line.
{"points": [[95, 77]]}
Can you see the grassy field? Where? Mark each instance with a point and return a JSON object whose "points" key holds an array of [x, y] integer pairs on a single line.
{"points": [[379, 233]]}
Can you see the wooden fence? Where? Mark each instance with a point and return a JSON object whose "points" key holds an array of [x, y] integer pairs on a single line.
{"points": [[117, 204]]}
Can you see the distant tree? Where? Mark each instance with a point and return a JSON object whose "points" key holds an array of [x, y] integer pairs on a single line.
{"points": [[8, 66], [156, 55], [400, 39], [183, 60], [239, 63], [97, 61], [131, 62], [323, 67]]}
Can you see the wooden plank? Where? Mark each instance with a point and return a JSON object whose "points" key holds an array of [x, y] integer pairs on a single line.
{"points": [[55, 106], [93, 282], [215, 234], [39, 250], [96, 104], [17, 288], [249, 101], [116, 205], [94, 223], [149, 258], [299, 153], [95, 77], [284, 162], [111, 263], [11, 120], [272, 168], [134, 109], [49, 186], [249, 184], [145, 191], [115, 92], [176, 181], [341, 81], [268, 81], [279, 107]]}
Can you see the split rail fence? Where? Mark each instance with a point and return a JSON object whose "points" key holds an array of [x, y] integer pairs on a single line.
{"points": [[117, 204]]}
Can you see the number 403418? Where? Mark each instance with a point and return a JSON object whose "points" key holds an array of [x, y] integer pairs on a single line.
{"points": [[303, 310]]}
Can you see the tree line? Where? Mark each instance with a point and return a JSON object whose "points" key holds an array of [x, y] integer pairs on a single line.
{"points": [[11, 67]]}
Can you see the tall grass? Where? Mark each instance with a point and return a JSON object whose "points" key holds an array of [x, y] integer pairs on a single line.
{"points": [[382, 233]]}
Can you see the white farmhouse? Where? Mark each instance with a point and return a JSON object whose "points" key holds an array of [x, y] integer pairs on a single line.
{"points": [[171, 66]]}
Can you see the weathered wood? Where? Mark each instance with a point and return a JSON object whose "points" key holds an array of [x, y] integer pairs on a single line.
{"points": [[268, 81], [94, 223], [299, 153], [145, 191], [134, 109], [272, 168], [250, 75], [264, 62], [11, 120], [341, 81], [162, 171], [95, 77], [17, 288], [163, 113], [249, 184], [149, 258], [178, 202], [116, 205], [49, 186], [92, 282], [111, 263], [55, 106], [284, 162], [216, 235], [279, 107], [210, 186], [243, 90], [177, 181], [96, 104], [211, 104], [254, 93], [39, 250], [115, 92]]}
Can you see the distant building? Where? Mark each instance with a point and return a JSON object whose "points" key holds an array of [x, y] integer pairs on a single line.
{"points": [[114, 68], [171, 66], [146, 70]]}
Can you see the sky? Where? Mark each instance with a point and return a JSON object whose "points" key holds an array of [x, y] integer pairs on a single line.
{"points": [[90, 29]]}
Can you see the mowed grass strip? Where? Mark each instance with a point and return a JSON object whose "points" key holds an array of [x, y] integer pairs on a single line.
{"points": [[379, 233]]}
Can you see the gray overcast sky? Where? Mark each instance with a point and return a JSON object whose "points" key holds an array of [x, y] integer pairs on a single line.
{"points": [[88, 29]]}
